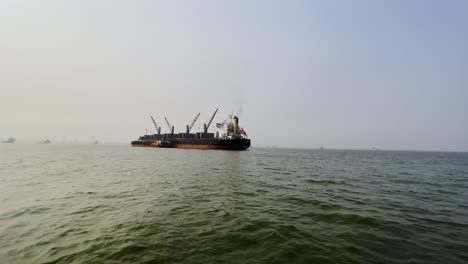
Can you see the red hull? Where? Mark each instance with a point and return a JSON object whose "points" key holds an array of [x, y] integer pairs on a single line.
{"points": [[196, 146]]}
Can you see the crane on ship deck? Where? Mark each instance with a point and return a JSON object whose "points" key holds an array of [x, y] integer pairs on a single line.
{"points": [[206, 126], [190, 126], [171, 127], [158, 129]]}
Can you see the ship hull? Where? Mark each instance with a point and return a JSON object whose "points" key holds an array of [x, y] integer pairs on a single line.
{"points": [[141, 144], [200, 146], [203, 143], [208, 143]]}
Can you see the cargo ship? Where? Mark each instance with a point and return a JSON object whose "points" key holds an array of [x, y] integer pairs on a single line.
{"points": [[228, 137]]}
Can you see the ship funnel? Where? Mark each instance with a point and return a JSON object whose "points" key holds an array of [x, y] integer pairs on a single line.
{"points": [[235, 124]]}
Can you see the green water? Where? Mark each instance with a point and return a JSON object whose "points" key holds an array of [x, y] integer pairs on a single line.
{"points": [[117, 204]]}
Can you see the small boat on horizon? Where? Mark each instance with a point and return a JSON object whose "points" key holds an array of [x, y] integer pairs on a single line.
{"points": [[10, 140], [47, 141]]}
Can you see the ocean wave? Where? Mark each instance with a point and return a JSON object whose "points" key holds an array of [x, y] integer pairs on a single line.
{"points": [[296, 206]]}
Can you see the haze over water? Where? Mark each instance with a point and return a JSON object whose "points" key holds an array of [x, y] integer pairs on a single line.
{"points": [[117, 204], [302, 74]]}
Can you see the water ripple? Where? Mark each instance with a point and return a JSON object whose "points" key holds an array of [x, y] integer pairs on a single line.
{"points": [[115, 204]]}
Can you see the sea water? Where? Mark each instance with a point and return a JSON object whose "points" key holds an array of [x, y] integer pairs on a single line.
{"points": [[118, 204]]}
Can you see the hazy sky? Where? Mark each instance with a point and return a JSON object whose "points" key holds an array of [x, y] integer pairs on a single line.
{"points": [[338, 74]]}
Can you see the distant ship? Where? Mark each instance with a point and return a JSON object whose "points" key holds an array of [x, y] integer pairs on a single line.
{"points": [[10, 140], [47, 141], [95, 142], [229, 136]]}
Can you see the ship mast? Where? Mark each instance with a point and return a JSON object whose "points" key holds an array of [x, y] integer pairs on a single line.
{"points": [[206, 126]]}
